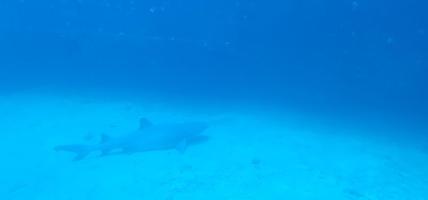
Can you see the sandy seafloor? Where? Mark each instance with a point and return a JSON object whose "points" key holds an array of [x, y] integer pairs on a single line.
{"points": [[250, 155]]}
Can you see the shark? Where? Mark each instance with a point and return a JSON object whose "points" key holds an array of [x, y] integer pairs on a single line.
{"points": [[148, 137]]}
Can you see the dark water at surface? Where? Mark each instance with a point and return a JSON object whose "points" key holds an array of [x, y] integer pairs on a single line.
{"points": [[336, 56]]}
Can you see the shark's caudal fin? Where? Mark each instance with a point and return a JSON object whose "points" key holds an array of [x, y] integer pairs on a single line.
{"points": [[81, 150]]}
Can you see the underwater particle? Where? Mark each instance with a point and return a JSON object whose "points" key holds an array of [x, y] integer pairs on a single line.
{"points": [[355, 5], [156, 9], [389, 40], [238, 4], [204, 43], [100, 29], [121, 34], [68, 24], [152, 10]]}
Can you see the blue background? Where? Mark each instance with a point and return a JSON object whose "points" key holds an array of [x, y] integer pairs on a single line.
{"points": [[333, 57]]}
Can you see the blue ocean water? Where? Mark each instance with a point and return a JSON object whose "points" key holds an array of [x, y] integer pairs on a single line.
{"points": [[356, 64]]}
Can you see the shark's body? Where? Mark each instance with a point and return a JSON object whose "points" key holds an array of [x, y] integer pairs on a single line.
{"points": [[148, 137]]}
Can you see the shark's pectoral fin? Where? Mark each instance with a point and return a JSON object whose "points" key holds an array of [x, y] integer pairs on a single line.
{"points": [[182, 146], [81, 151]]}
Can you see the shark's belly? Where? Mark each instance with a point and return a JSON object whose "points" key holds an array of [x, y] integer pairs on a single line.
{"points": [[154, 143]]}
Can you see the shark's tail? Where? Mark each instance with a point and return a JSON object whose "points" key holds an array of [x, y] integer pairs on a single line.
{"points": [[81, 150]]}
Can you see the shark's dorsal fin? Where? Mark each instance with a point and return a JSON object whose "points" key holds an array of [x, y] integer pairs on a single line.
{"points": [[144, 123]]}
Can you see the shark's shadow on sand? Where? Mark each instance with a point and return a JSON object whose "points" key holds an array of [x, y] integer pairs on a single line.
{"points": [[148, 137]]}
